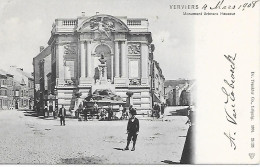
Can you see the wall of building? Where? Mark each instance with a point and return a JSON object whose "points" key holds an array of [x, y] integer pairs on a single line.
{"points": [[23, 84]]}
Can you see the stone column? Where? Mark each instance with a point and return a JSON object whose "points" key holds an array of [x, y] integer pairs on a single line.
{"points": [[112, 68], [60, 51], [123, 59], [144, 60], [89, 60], [83, 60], [116, 60]]}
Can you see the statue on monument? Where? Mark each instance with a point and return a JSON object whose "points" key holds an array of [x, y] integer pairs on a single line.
{"points": [[102, 69], [102, 59]]}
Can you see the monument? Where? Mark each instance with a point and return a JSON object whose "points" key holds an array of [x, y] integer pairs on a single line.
{"points": [[102, 52]]}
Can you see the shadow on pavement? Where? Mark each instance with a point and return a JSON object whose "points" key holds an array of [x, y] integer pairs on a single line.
{"points": [[182, 136], [170, 162], [180, 112], [82, 160], [121, 149], [30, 113]]}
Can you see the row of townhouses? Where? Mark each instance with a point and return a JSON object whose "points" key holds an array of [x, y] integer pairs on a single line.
{"points": [[16, 89]]}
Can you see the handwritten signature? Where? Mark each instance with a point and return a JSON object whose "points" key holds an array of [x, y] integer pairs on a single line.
{"points": [[229, 103], [222, 5]]}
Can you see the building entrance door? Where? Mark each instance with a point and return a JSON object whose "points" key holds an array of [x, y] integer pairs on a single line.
{"points": [[16, 104]]}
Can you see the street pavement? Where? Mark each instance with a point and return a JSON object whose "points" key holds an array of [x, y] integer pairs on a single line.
{"points": [[28, 139]]}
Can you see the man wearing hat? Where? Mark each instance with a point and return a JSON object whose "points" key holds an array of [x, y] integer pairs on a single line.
{"points": [[132, 129]]}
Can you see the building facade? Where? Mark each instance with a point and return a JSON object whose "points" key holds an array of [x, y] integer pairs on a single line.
{"points": [[180, 92], [42, 70], [157, 83], [6, 90], [101, 52], [16, 89], [23, 90]]}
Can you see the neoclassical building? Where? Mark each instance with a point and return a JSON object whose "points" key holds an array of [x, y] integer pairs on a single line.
{"points": [[101, 52]]}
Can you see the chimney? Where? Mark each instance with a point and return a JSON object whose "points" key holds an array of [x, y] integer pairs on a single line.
{"points": [[82, 14], [41, 48]]}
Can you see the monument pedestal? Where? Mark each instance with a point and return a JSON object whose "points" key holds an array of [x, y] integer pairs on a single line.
{"points": [[102, 73], [144, 81], [120, 81], [86, 81]]}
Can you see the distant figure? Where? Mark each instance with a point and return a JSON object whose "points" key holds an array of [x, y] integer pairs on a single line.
{"points": [[102, 114], [95, 107], [55, 113], [124, 113], [162, 108], [132, 129], [85, 113], [46, 111], [110, 113], [79, 110], [62, 114], [120, 112], [156, 111], [51, 110]]}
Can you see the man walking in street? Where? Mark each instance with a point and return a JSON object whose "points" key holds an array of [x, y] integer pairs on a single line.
{"points": [[132, 129], [62, 114]]}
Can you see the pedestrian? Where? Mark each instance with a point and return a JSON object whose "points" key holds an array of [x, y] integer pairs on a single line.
{"points": [[95, 108], [79, 110], [102, 114], [162, 108], [62, 114], [155, 110], [132, 129], [120, 115], [51, 110], [46, 111], [55, 112], [124, 113], [110, 113], [85, 113], [158, 111]]}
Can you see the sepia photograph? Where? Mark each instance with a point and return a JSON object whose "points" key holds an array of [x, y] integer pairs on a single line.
{"points": [[95, 82], [129, 82]]}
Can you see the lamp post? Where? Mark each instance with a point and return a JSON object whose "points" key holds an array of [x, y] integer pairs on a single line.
{"points": [[16, 98], [129, 95], [56, 100]]}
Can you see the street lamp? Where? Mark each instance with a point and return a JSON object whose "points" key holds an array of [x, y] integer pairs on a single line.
{"points": [[16, 98]]}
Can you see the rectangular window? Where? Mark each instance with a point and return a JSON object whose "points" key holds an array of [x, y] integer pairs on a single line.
{"points": [[17, 93]]}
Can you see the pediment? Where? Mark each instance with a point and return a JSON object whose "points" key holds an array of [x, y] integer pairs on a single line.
{"points": [[103, 24]]}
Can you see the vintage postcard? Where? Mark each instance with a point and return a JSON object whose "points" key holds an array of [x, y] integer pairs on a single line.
{"points": [[129, 82]]}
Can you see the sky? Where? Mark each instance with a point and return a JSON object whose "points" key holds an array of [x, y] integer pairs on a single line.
{"points": [[26, 25]]}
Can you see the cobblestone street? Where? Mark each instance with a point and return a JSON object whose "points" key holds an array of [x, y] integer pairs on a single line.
{"points": [[25, 139]]}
